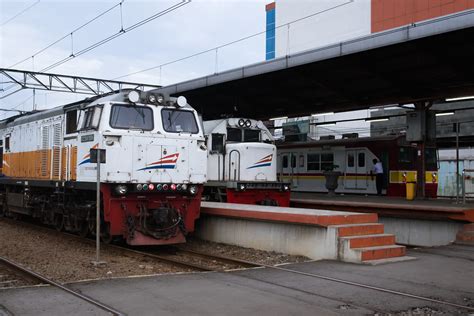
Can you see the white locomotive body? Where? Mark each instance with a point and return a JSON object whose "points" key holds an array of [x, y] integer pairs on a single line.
{"points": [[151, 180], [242, 163]]}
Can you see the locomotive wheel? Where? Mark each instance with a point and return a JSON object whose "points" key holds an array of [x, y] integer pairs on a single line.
{"points": [[59, 222], [105, 235]]}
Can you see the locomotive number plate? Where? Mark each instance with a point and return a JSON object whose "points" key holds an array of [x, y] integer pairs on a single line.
{"points": [[87, 138]]}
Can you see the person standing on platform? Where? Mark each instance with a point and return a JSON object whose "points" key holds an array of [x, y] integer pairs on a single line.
{"points": [[378, 170]]}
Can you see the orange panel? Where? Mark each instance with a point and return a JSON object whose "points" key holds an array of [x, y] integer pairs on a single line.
{"points": [[434, 12], [421, 5], [447, 9]]}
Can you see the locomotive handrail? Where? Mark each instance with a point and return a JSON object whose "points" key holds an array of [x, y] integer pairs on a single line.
{"points": [[230, 158]]}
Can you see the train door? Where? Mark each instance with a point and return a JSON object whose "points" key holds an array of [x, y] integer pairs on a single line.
{"points": [[356, 176], [289, 168]]}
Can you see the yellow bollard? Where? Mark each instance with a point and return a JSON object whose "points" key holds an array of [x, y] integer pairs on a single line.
{"points": [[411, 190]]}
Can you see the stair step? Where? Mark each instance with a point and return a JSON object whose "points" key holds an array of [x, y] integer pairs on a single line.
{"points": [[381, 252], [363, 241], [359, 229]]}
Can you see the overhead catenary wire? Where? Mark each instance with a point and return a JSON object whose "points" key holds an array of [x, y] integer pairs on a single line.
{"points": [[119, 33], [233, 42], [19, 13], [67, 35]]}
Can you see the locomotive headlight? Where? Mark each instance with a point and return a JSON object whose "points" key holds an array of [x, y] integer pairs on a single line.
{"points": [[121, 189], [134, 96], [241, 187], [241, 123], [184, 187], [160, 98], [286, 187], [248, 123], [193, 189], [151, 98], [151, 186], [139, 187], [159, 187], [145, 187]]}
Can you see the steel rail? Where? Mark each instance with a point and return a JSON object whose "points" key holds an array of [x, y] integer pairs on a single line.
{"points": [[43, 279], [318, 276], [361, 285]]}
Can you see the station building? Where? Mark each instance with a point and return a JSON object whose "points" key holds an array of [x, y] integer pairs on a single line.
{"points": [[295, 26]]}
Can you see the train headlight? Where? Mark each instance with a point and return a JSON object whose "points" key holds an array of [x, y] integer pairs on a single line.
{"points": [[133, 96], [184, 187], [160, 98], [139, 187], [151, 98], [241, 123], [121, 189], [159, 187], [145, 187], [151, 187], [193, 189], [286, 187], [241, 187], [181, 101], [165, 187], [248, 123], [173, 187]]}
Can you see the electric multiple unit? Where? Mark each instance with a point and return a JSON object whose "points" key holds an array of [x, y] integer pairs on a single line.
{"points": [[151, 181], [303, 164], [242, 165]]}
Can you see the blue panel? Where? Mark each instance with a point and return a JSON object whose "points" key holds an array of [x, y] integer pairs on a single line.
{"points": [[270, 35]]}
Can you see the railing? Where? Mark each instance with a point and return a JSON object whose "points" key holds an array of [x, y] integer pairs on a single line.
{"points": [[467, 184]]}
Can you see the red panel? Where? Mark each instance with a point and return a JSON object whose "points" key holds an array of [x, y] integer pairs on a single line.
{"points": [[387, 14], [257, 196], [270, 6]]}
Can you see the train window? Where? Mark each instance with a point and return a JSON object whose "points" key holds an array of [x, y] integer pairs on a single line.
{"points": [[91, 118], [350, 160], [407, 155], [71, 122], [131, 117], [430, 158], [179, 121], [301, 161], [218, 143], [361, 160], [313, 162], [293, 161], [7, 143], [251, 135], [285, 162], [234, 135], [327, 161]]}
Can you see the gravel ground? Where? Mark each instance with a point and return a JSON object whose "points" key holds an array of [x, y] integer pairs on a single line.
{"points": [[418, 311], [253, 255], [66, 259]]}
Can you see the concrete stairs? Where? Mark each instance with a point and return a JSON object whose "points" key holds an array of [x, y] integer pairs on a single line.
{"points": [[367, 243]]}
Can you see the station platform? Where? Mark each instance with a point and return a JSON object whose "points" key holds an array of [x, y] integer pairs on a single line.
{"points": [[421, 222], [436, 209], [314, 233], [445, 273]]}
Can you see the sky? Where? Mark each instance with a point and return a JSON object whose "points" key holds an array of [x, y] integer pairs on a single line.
{"points": [[197, 26]]}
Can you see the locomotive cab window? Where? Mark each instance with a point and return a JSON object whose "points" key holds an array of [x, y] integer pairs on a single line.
{"points": [[91, 117], [234, 134], [71, 122], [131, 117], [179, 121], [251, 135]]}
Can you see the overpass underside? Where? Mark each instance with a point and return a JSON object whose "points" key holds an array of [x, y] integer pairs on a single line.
{"points": [[432, 60]]}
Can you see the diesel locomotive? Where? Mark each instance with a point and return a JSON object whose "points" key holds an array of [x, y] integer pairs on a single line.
{"points": [[151, 180], [242, 165]]}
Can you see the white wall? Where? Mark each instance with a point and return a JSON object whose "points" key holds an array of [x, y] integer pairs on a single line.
{"points": [[341, 20]]}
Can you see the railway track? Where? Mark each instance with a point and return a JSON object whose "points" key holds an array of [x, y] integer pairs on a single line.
{"points": [[217, 263], [12, 277], [40, 279]]}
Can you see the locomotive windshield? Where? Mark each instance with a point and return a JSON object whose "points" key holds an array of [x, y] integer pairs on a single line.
{"points": [[243, 135], [179, 121], [131, 117]]}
